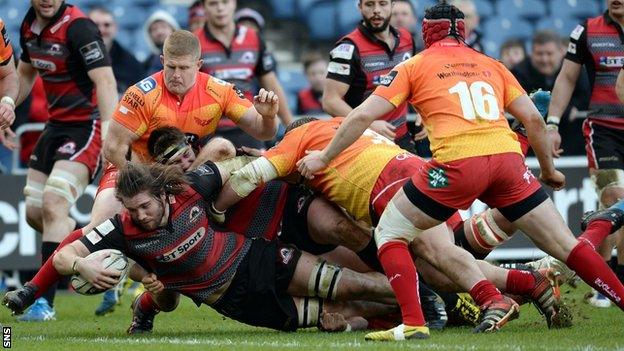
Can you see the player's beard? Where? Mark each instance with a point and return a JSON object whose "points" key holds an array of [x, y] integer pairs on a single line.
{"points": [[379, 29], [155, 221]]}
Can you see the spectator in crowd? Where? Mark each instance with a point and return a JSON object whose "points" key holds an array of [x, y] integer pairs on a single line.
{"points": [[249, 18], [157, 28], [472, 20], [196, 15], [126, 68], [404, 16], [539, 71], [238, 55], [512, 52], [309, 99]]}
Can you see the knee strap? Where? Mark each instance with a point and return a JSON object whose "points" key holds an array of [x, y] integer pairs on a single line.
{"points": [[324, 280], [66, 185]]}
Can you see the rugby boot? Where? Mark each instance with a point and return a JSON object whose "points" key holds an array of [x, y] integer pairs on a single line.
{"points": [[401, 332], [465, 312], [20, 299], [142, 321], [546, 297], [40, 311], [496, 313], [614, 214]]}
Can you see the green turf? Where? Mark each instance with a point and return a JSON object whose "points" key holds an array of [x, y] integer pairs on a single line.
{"points": [[77, 328]]}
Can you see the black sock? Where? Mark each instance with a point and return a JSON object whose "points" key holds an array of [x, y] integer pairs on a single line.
{"points": [[369, 255], [450, 299], [47, 251]]}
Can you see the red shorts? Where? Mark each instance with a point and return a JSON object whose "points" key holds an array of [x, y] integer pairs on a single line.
{"points": [[396, 173], [524, 143], [498, 180], [109, 178]]}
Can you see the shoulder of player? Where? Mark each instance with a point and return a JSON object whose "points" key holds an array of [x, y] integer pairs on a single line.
{"points": [[216, 87]]}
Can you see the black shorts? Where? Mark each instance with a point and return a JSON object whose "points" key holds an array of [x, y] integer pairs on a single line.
{"points": [[295, 221], [257, 295], [604, 146], [239, 138], [73, 141]]}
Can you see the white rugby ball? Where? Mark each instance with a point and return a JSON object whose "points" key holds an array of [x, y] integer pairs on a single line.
{"points": [[116, 261]]}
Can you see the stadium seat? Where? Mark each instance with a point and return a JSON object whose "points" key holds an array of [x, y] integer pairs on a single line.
{"points": [[129, 17], [348, 16], [283, 9], [498, 29], [575, 8], [321, 21], [13, 13], [530, 9], [302, 6], [126, 38], [561, 25], [485, 8], [292, 80]]}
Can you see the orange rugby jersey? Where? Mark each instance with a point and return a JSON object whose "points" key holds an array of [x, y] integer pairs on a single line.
{"points": [[349, 178], [461, 95], [6, 50], [148, 105]]}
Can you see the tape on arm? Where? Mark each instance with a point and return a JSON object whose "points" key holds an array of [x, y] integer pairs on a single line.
{"points": [[233, 164], [248, 178]]}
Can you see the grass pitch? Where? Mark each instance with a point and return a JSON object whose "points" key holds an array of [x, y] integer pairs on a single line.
{"points": [[189, 327]]}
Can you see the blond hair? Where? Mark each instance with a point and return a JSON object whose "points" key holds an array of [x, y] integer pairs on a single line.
{"points": [[181, 43]]}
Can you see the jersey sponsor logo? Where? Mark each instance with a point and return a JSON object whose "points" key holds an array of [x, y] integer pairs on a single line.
{"points": [[528, 176], [93, 237], [268, 62], [184, 247], [208, 60], [202, 122], [203, 170], [342, 51], [387, 79], [339, 68], [576, 33], [58, 25], [286, 253], [91, 52], [55, 50], [43, 64], [233, 73], [611, 61], [105, 228], [437, 178], [146, 85], [133, 99], [605, 44], [238, 92], [374, 64], [194, 214], [572, 48], [68, 148], [247, 57]]}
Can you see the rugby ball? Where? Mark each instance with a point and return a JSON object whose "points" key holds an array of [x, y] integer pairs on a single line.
{"points": [[116, 261]]}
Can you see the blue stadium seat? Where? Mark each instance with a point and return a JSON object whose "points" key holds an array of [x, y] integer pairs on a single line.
{"points": [[126, 38], [575, 8], [561, 25], [292, 80], [284, 9], [498, 29], [302, 6], [179, 12], [129, 17], [348, 16], [321, 21], [532, 9], [485, 8], [13, 13]]}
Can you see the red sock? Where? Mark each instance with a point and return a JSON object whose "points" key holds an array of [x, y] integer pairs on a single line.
{"points": [[588, 264], [401, 272], [146, 302], [596, 232], [47, 274], [519, 282], [484, 291]]}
